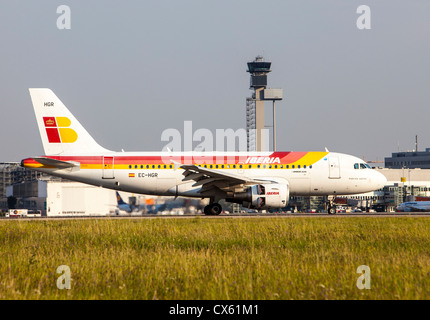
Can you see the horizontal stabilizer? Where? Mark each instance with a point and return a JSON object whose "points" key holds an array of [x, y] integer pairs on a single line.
{"points": [[50, 163]]}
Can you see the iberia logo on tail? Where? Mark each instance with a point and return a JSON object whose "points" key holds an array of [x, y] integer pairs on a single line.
{"points": [[58, 131]]}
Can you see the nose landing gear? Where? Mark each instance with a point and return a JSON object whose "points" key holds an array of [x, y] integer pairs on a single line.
{"points": [[331, 210]]}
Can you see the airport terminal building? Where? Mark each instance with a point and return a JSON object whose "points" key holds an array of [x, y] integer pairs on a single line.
{"points": [[409, 159]]}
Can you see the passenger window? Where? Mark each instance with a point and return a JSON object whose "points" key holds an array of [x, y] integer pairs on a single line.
{"points": [[298, 166], [216, 166], [147, 166], [276, 166], [153, 166], [240, 166], [258, 166], [293, 166], [304, 166], [249, 166], [129, 166], [288, 166], [234, 166]]}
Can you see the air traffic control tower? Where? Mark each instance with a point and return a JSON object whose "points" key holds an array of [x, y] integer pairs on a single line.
{"points": [[257, 136]]}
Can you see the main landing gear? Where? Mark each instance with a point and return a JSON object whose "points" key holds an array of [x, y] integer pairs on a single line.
{"points": [[212, 209]]}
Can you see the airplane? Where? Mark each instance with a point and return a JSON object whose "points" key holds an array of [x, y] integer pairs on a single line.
{"points": [[257, 180], [122, 205], [415, 206]]}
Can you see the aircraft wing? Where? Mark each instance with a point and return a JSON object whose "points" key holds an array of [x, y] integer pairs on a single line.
{"points": [[210, 178]]}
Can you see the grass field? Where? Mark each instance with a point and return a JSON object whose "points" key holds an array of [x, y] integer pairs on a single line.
{"points": [[198, 258]]}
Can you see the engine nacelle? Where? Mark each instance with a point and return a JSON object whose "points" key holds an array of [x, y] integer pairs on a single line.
{"points": [[263, 196]]}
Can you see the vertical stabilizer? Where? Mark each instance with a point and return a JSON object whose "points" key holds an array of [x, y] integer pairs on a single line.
{"points": [[60, 131]]}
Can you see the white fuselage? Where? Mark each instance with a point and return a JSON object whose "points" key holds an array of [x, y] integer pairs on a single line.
{"points": [[333, 174]]}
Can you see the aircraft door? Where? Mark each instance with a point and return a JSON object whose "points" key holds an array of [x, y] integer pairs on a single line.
{"points": [[108, 171], [333, 168]]}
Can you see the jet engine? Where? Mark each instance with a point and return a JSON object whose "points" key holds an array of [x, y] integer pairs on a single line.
{"points": [[263, 196]]}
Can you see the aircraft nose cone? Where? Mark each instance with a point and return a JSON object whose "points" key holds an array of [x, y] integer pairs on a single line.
{"points": [[380, 180]]}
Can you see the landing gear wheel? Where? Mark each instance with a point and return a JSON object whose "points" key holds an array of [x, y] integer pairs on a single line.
{"points": [[206, 210], [213, 209], [331, 210], [216, 209]]}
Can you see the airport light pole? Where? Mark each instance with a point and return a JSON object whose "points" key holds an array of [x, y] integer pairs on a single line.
{"points": [[274, 128], [273, 94]]}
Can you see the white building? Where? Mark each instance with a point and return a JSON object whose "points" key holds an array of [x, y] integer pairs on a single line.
{"points": [[61, 198]]}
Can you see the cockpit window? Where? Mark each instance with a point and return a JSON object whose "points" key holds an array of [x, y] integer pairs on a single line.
{"points": [[361, 166]]}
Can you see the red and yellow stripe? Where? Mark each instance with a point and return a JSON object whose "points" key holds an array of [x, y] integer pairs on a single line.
{"points": [[160, 162]]}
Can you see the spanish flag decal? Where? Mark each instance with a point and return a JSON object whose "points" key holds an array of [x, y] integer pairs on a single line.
{"points": [[58, 131], [131, 175]]}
